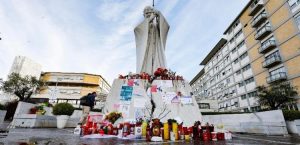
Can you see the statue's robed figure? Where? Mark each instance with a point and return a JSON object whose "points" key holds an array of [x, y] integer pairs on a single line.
{"points": [[150, 37]]}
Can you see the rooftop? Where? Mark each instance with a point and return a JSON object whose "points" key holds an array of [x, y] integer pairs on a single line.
{"points": [[197, 76], [219, 45], [239, 15]]}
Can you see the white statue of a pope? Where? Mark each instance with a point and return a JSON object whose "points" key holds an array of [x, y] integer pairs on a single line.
{"points": [[150, 37]]}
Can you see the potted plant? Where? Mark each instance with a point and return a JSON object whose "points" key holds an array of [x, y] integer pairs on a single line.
{"points": [[291, 118], [63, 111]]}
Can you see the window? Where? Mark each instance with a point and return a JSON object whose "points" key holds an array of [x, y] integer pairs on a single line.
{"points": [[243, 97], [252, 94], [238, 72], [236, 23], [243, 55], [250, 80], [274, 54], [228, 80], [247, 67], [227, 58], [233, 50], [218, 76], [241, 84], [217, 68], [297, 18], [293, 3], [238, 34], [276, 71], [204, 106], [229, 31], [236, 61], [246, 110], [229, 70], [231, 40], [241, 45], [256, 108]]}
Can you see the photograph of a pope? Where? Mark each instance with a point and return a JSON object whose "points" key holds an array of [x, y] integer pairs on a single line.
{"points": [[150, 37]]}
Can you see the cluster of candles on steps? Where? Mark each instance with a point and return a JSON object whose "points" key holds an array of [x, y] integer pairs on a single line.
{"points": [[170, 130]]}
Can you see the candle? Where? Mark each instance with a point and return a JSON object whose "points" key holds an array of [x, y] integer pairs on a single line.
{"points": [[175, 129], [166, 131], [144, 128]]}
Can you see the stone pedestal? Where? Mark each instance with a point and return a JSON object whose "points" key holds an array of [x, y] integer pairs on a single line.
{"points": [[183, 108]]}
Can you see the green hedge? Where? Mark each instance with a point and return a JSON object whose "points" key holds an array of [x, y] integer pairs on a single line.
{"points": [[290, 115], [63, 109]]}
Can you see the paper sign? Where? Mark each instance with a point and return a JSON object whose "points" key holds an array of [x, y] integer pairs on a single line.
{"points": [[124, 108], [139, 113], [138, 91], [116, 106], [126, 93], [139, 102], [175, 99], [153, 88], [136, 82], [130, 82], [186, 100], [168, 96]]}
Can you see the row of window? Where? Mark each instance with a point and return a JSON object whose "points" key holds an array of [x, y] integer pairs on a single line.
{"points": [[235, 37], [233, 26], [251, 94], [245, 68], [240, 58], [238, 47], [248, 81], [293, 3]]}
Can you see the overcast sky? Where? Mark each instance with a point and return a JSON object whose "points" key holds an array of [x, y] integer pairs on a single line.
{"points": [[96, 36]]}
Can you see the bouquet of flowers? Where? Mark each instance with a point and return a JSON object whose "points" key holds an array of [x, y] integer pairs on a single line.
{"points": [[38, 109], [113, 116]]}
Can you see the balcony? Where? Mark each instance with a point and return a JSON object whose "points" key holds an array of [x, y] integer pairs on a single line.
{"points": [[255, 7], [259, 20], [263, 32], [267, 45], [272, 61], [277, 77]]}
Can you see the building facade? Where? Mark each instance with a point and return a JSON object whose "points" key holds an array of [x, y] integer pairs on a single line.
{"points": [[71, 87], [261, 46], [25, 66]]}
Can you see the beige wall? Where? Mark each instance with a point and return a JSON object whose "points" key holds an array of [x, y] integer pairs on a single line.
{"points": [[273, 5], [257, 66], [260, 79], [286, 31], [293, 66], [279, 16], [290, 48]]}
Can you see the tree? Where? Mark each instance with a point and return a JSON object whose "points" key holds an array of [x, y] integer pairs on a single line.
{"points": [[22, 87], [276, 95]]}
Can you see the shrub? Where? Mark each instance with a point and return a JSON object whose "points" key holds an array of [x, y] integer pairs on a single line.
{"points": [[291, 115], [63, 109]]}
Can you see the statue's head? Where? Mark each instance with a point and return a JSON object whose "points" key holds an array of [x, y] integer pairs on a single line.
{"points": [[147, 11]]}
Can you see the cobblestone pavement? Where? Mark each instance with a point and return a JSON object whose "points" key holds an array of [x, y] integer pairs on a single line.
{"points": [[66, 137]]}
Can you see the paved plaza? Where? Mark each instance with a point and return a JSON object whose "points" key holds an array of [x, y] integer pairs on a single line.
{"points": [[54, 136]]}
